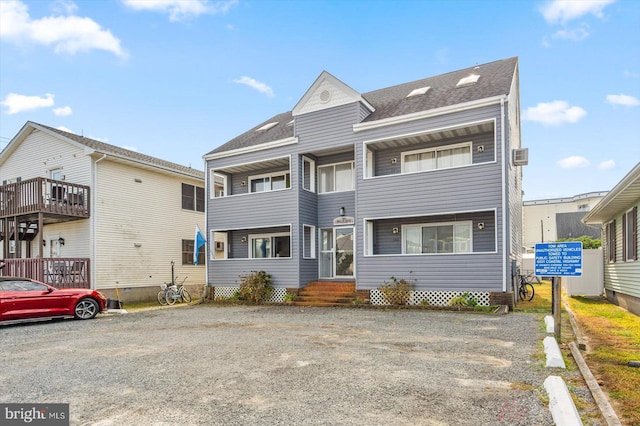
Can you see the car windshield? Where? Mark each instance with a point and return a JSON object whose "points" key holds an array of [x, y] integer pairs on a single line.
{"points": [[21, 285]]}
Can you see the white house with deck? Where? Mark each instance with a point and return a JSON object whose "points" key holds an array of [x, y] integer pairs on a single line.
{"points": [[76, 212]]}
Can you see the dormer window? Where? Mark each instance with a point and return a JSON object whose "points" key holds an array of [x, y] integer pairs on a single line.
{"points": [[418, 92], [266, 127], [468, 81]]}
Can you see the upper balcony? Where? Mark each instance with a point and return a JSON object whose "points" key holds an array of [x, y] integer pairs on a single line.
{"points": [[59, 201]]}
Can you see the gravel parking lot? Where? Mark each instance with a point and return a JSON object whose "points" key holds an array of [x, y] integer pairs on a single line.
{"points": [[206, 364]]}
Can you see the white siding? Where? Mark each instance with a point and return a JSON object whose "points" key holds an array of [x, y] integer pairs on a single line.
{"points": [[148, 213], [39, 153], [621, 276]]}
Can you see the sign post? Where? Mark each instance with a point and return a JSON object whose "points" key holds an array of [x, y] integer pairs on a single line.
{"points": [[558, 260]]}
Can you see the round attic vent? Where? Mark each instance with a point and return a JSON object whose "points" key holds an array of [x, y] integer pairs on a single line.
{"points": [[325, 96]]}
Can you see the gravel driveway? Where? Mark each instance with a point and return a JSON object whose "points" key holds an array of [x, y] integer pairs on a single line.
{"points": [[205, 365]]}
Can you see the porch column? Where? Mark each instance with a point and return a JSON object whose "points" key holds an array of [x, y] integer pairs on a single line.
{"points": [[40, 235]]}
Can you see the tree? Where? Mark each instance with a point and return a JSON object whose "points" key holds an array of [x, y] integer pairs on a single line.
{"points": [[587, 241]]}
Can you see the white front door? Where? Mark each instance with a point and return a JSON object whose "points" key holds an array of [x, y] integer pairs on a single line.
{"points": [[336, 252]]}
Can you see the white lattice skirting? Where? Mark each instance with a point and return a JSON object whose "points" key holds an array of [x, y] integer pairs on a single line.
{"points": [[277, 296], [434, 298]]}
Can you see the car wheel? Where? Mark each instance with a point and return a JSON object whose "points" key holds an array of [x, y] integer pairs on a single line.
{"points": [[86, 309]]}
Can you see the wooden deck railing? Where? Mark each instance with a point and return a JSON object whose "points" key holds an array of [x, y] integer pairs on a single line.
{"points": [[44, 195], [59, 272]]}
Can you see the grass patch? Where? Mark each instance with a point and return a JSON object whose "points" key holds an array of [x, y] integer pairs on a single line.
{"points": [[541, 301], [614, 340]]}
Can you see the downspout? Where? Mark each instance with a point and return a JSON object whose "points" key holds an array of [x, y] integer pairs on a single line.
{"points": [[207, 237], [94, 221], [504, 196]]}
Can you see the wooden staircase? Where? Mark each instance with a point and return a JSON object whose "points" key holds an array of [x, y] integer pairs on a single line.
{"points": [[326, 293]]}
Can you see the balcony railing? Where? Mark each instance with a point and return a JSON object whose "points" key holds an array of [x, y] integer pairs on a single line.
{"points": [[59, 272], [44, 195]]}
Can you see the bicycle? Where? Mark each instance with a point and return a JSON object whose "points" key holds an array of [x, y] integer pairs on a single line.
{"points": [[169, 294], [526, 290]]}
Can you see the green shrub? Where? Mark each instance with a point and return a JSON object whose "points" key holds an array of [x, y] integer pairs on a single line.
{"points": [[465, 299], [255, 287], [396, 292], [289, 297]]}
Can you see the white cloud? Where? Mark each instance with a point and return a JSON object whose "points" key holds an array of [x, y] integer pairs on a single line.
{"points": [[606, 165], [19, 103], [65, 129], [63, 111], [624, 100], [179, 10], [257, 85], [573, 35], [561, 11], [554, 113], [67, 34], [573, 162]]}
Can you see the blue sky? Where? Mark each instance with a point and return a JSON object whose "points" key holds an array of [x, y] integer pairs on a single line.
{"points": [[175, 79]]}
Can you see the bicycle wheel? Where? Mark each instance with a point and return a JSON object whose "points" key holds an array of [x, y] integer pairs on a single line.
{"points": [[526, 292], [186, 297], [161, 298], [171, 297]]}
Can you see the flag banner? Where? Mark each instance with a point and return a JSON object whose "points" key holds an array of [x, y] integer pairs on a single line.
{"points": [[198, 241]]}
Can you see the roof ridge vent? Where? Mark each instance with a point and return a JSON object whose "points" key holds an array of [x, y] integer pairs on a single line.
{"points": [[469, 80], [419, 91], [266, 127]]}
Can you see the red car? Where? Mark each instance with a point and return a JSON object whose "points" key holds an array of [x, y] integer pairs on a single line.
{"points": [[24, 298]]}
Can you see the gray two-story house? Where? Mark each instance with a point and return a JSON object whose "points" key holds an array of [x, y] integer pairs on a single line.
{"points": [[419, 181]]}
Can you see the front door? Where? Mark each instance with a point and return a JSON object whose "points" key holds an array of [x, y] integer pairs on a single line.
{"points": [[336, 253]]}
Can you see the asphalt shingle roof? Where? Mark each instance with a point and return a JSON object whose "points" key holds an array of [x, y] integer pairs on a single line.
{"points": [[106, 148], [495, 79]]}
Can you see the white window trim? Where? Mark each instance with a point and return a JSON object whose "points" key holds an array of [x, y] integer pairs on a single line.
{"points": [[353, 183], [312, 243], [225, 184], [434, 224], [625, 232], [436, 150], [276, 234], [269, 175], [312, 174], [225, 242]]}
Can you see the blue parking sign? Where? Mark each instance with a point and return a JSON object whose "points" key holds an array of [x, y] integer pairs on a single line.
{"points": [[559, 259]]}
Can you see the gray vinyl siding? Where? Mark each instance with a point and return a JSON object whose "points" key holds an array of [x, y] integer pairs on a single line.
{"points": [[237, 179], [240, 213], [329, 207], [363, 112], [386, 242], [329, 128], [622, 276], [383, 164], [472, 188], [308, 215]]}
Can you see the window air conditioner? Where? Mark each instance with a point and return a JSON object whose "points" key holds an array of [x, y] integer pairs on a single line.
{"points": [[521, 157]]}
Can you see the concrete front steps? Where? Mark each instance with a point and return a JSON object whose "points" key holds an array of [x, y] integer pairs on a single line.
{"points": [[326, 293]]}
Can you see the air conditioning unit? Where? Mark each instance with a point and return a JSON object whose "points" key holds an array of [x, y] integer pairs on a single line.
{"points": [[520, 157], [219, 245]]}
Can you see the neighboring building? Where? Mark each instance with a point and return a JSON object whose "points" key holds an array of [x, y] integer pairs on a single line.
{"points": [[76, 212], [618, 214], [417, 181], [552, 219]]}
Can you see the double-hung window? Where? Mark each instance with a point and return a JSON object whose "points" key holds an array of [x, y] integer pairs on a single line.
{"points": [[336, 177], [611, 241], [437, 158], [438, 238], [187, 253], [630, 234], [192, 197], [270, 245], [270, 182]]}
